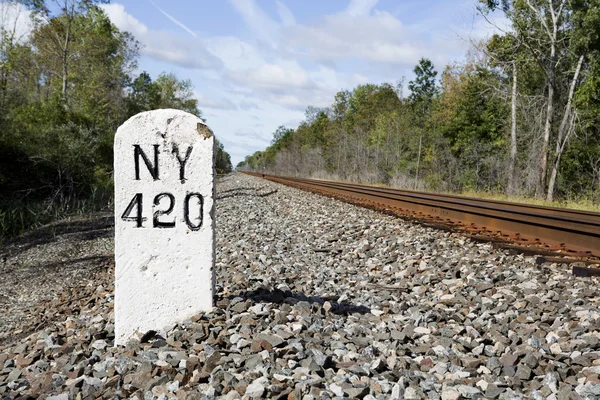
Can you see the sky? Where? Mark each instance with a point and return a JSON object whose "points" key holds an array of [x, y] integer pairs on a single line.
{"points": [[258, 64]]}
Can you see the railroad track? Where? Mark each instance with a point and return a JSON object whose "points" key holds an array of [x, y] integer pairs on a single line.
{"points": [[536, 229]]}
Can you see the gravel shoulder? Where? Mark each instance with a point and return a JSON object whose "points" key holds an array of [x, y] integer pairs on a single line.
{"points": [[43, 264], [315, 299]]}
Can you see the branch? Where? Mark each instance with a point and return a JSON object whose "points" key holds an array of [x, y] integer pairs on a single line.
{"points": [[540, 18], [567, 114], [562, 5], [537, 57]]}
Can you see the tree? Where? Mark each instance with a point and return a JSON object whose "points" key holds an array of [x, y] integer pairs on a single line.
{"points": [[167, 91], [16, 60], [179, 94], [544, 26], [144, 95], [585, 44], [64, 90], [60, 33], [104, 59], [472, 118], [488, 126], [504, 53], [222, 159], [423, 89], [281, 137]]}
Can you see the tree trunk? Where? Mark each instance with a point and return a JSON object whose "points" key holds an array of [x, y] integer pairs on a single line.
{"points": [[3, 89], [512, 178], [418, 162], [560, 143], [65, 67], [69, 14], [548, 124]]}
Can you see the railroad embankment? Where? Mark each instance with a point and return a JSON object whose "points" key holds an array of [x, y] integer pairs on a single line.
{"points": [[315, 299]]}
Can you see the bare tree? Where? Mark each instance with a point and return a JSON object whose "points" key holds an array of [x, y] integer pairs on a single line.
{"points": [[546, 55], [563, 139], [512, 176], [544, 28], [500, 59]]}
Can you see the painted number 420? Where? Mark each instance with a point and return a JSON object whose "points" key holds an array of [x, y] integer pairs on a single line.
{"points": [[160, 215]]}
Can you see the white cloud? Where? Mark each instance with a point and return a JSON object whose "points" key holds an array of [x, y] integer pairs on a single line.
{"points": [[222, 103], [287, 84], [248, 105], [286, 15], [273, 77], [360, 7], [272, 72], [214, 103], [358, 79], [257, 20], [379, 37], [293, 123], [15, 20], [245, 142], [162, 45], [234, 52], [123, 20], [243, 133]]}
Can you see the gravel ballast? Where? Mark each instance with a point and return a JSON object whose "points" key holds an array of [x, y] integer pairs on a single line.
{"points": [[316, 299]]}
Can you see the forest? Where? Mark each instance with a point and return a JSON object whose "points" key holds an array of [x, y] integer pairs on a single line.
{"points": [[65, 88], [520, 116]]}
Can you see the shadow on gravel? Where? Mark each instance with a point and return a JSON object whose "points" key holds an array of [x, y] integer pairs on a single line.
{"points": [[71, 263], [279, 297], [241, 189], [86, 228], [241, 193]]}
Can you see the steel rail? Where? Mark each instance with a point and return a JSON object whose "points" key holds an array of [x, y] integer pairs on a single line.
{"points": [[571, 230], [584, 214]]}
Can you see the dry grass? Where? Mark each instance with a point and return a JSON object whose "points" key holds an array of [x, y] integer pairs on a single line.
{"points": [[578, 204]]}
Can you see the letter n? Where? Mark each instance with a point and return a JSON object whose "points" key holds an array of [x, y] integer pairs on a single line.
{"points": [[137, 152]]}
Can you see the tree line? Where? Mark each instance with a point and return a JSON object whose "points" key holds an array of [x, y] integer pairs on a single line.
{"points": [[521, 115], [64, 90]]}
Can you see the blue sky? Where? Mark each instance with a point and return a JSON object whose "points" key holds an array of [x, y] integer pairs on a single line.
{"points": [[257, 64]]}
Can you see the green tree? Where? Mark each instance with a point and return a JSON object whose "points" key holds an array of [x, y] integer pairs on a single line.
{"points": [[175, 93], [60, 33], [423, 88], [63, 93], [423, 91], [555, 34], [144, 95], [222, 159], [281, 136]]}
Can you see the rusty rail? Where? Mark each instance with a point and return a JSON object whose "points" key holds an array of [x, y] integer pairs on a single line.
{"points": [[573, 232]]}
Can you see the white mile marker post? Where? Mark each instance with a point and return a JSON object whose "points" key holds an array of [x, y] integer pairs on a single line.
{"points": [[164, 221]]}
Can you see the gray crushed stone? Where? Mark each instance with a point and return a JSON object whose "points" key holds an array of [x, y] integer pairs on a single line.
{"points": [[317, 299]]}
